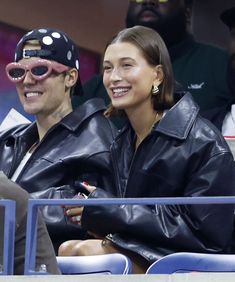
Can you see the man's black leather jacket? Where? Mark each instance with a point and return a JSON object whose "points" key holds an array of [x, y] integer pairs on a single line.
{"points": [[184, 155], [76, 149]]}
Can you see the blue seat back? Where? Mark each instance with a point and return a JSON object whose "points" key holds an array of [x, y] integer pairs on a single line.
{"points": [[193, 262], [99, 264]]}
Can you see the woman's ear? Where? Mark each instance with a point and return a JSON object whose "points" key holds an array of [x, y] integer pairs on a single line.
{"points": [[159, 75], [71, 78]]}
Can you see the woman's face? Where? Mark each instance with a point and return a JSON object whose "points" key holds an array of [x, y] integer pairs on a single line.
{"points": [[128, 77]]}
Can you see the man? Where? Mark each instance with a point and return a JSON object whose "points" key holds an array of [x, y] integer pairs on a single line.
{"points": [[224, 117], [50, 157], [45, 251], [199, 68]]}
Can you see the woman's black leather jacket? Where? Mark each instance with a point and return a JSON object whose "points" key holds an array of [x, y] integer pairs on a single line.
{"points": [[76, 149], [185, 155]]}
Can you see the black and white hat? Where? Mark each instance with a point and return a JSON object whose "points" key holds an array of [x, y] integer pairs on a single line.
{"points": [[55, 45]]}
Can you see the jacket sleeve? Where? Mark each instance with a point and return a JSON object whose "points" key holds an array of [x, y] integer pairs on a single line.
{"points": [[181, 227]]}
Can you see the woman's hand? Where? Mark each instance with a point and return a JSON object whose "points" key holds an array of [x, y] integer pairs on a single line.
{"points": [[75, 213], [88, 187]]}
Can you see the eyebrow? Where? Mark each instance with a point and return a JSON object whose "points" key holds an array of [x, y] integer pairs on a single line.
{"points": [[127, 58], [122, 59]]}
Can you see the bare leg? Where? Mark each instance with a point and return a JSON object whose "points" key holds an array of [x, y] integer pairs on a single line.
{"points": [[69, 248], [99, 247]]}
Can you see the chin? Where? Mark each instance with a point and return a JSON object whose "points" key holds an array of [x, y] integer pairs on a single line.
{"points": [[122, 102], [119, 106], [149, 23], [30, 111]]}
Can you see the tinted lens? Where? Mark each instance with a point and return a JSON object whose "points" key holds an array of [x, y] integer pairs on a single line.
{"points": [[16, 72], [39, 70]]}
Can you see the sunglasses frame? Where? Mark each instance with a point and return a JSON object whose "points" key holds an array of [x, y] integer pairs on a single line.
{"points": [[51, 66]]}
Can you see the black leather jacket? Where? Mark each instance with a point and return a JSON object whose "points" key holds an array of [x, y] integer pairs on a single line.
{"points": [[76, 149], [184, 155]]}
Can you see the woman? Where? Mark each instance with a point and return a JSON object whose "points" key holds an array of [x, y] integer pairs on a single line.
{"points": [[166, 150]]}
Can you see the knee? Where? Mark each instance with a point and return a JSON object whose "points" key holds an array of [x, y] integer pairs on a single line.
{"points": [[81, 248], [67, 248]]}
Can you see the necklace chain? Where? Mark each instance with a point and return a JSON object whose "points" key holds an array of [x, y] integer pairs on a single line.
{"points": [[139, 139]]}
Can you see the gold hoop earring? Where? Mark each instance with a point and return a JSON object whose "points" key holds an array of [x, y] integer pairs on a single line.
{"points": [[155, 90]]}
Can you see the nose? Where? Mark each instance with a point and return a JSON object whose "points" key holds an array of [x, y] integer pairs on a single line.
{"points": [[28, 79], [150, 2], [115, 75]]}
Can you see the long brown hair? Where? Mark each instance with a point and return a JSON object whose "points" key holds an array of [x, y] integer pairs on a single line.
{"points": [[155, 52]]}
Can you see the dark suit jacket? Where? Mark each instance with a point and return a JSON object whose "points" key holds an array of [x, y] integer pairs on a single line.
{"points": [[45, 251]]}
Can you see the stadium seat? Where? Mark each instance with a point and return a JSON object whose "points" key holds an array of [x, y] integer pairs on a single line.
{"points": [[193, 262], [99, 264]]}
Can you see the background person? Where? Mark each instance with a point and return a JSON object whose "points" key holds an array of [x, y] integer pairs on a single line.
{"points": [[45, 254], [166, 150], [50, 157], [224, 117], [200, 68]]}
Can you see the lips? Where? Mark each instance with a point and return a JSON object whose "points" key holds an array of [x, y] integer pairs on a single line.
{"points": [[32, 94], [119, 92], [147, 15]]}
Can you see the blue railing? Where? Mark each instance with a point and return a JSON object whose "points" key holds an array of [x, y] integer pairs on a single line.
{"points": [[31, 242]]}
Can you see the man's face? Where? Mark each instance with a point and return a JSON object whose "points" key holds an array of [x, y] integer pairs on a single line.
{"points": [[231, 63], [42, 97], [167, 18]]}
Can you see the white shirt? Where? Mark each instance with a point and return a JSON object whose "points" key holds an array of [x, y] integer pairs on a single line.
{"points": [[21, 166], [228, 127]]}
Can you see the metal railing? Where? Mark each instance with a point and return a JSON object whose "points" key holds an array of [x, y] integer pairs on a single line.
{"points": [[33, 204]]}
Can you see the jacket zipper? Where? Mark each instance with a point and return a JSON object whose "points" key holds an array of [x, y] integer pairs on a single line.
{"points": [[132, 162], [116, 174]]}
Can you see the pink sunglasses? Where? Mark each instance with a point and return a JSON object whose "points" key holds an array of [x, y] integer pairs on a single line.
{"points": [[39, 70]]}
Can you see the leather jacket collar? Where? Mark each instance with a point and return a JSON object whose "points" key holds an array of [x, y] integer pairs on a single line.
{"points": [[81, 113], [178, 121], [72, 121]]}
